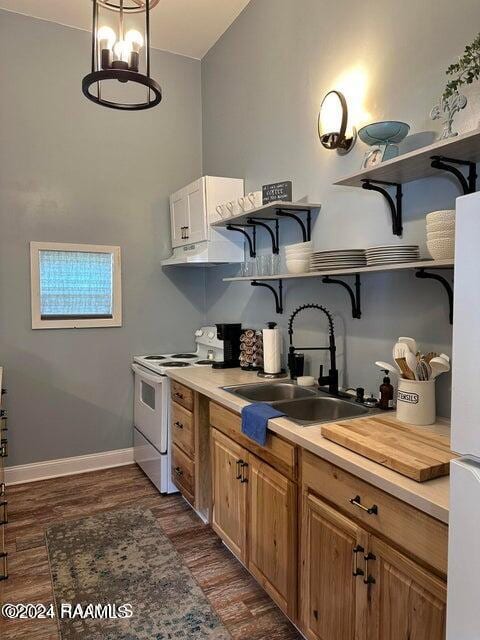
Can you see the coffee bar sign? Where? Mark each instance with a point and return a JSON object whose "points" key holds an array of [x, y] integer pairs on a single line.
{"points": [[277, 191]]}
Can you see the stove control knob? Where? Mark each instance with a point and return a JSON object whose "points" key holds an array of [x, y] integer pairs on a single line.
{"points": [[198, 333], [211, 335]]}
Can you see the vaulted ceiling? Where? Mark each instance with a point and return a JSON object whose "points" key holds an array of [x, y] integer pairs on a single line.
{"points": [[187, 27]]}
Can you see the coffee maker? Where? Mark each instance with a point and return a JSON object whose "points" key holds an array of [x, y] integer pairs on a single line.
{"points": [[229, 334]]}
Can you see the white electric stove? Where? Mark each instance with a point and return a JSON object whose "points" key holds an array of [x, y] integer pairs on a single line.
{"points": [[152, 429]]}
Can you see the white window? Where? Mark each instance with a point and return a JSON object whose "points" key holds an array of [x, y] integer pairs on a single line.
{"points": [[75, 285]]}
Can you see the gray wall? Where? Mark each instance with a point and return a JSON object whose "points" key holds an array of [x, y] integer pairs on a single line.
{"points": [[262, 86], [72, 171]]}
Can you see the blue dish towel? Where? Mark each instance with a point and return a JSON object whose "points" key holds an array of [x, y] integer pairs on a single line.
{"points": [[255, 419]]}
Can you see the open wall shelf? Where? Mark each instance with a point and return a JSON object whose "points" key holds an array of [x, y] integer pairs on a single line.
{"points": [[417, 164], [423, 269], [247, 223], [457, 156]]}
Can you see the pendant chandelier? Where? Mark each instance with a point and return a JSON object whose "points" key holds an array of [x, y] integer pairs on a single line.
{"points": [[121, 53]]}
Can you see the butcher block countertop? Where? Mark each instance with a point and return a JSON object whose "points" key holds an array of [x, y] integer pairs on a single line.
{"points": [[431, 497]]}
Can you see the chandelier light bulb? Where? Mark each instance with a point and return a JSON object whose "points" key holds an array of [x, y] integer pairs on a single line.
{"points": [[135, 39], [106, 37], [122, 50]]}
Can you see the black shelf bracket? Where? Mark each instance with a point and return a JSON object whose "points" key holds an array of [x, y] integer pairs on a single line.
{"points": [[278, 296], [354, 295], [273, 233], [252, 241], [469, 184], [395, 206], [285, 212], [422, 273]]}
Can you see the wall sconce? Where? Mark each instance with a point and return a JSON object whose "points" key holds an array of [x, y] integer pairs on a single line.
{"points": [[332, 123]]}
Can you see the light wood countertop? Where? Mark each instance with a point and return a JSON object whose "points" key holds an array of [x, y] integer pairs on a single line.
{"points": [[432, 496]]}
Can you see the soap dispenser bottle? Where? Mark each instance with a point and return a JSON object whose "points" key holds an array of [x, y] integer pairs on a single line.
{"points": [[385, 401]]}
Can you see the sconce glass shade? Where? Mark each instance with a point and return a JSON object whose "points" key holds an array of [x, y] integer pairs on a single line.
{"points": [[332, 123]]}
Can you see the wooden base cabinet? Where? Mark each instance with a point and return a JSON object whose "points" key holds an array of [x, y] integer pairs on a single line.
{"points": [[272, 533], [229, 491], [357, 587], [254, 512], [332, 550], [407, 601]]}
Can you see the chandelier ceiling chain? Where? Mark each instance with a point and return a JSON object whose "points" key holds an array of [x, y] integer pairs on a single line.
{"points": [[118, 58]]}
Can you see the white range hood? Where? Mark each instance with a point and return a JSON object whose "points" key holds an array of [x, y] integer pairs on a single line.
{"points": [[207, 254]]}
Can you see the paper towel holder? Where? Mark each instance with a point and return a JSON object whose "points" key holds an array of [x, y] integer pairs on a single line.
{"points": [[272, 376]]}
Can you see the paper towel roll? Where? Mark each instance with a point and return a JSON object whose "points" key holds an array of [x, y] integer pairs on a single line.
{"points": [[272, 346]]}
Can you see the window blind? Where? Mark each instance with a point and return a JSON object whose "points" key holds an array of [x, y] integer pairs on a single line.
{"points": [[75, 284]]}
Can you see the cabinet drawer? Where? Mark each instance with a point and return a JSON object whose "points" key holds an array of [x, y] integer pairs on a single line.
{"points": [[183, 474], [182, 395], [277, 452], [183, 433], [420, 535]]}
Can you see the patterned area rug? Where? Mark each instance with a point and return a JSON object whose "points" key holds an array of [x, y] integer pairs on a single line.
{"points": [[124, 558]]}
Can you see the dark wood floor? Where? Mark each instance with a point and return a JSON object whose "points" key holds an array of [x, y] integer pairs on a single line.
{"points": [[243, 606]]}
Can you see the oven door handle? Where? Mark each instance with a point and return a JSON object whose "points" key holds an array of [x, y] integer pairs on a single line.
{"points": [[153, 378]]}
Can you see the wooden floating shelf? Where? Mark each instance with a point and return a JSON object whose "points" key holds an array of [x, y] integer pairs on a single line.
{"points": [[268, 211], [417, 164], [402, 266]]}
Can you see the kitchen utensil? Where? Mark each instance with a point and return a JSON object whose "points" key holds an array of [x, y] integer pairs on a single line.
{"points": [[430, 355], [411, 360], [423, 370], [385, 366], [407, 373], [445, 357], [410, 342], [439, 366]]}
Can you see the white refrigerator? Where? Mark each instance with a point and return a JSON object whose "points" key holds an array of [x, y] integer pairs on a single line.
{"points": [[463, 605]]}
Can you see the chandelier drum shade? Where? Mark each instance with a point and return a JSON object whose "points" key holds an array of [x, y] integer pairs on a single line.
{"points": [[121, 52]]}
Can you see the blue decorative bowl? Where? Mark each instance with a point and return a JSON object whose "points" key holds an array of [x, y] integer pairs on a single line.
{"points": [[384, 133]]}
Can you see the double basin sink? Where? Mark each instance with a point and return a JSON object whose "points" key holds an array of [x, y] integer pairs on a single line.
{"points": [[304, 405]]}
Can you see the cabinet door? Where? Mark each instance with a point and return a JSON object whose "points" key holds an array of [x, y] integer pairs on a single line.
{"points": [[272, 539], [229, 493], [196, 212], [407, 602], [333, 595], [178, 217]]}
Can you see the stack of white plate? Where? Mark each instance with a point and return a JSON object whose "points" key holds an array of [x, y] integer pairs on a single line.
{"points": [[337, 259], [392, 254]]}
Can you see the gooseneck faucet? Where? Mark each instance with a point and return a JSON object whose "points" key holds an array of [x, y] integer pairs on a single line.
{"points": [[332, 379]]}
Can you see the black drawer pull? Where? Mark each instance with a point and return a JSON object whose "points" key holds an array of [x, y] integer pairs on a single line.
{"points": [[357, 502], [3, 488], [179, 395], [179, 425], [368, 579], [4, 516], [244, 478], [178, 472], [239, 469], [3, 449], [356, 571], [4, 575]]}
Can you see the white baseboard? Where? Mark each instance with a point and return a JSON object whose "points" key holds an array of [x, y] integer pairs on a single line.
{"points": [[67, 466]]}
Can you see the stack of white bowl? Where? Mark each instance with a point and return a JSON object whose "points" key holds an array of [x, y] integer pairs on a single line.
{"points": [[297, 257], [441, 234]]}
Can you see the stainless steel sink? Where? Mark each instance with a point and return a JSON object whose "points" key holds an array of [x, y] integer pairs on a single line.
{"points": [[321, 408], [270, 392], [305, 406]]}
